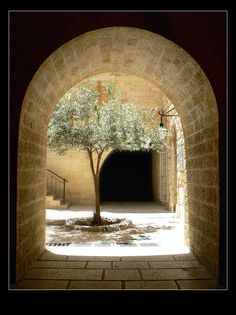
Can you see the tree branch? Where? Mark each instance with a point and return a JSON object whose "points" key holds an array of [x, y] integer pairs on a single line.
{"points": [[91, 162], [98, 162]]}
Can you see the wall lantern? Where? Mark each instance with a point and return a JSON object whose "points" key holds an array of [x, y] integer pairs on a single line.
{"points": [[162, 130]]}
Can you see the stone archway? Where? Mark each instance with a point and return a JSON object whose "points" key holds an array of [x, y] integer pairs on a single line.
{"points": [[166, 65]]}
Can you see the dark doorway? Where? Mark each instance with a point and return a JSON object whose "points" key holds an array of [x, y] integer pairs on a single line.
{"points": [[127, 176]]}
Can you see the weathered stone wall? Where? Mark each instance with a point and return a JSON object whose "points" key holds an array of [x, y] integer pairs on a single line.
{"points": [[159, 177], [177, 184], [135, 89], [75, 167], [172, 170], [31, 183], [156, 59]]}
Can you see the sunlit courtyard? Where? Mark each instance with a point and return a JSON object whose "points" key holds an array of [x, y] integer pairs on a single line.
{"points": [[154, 231]]}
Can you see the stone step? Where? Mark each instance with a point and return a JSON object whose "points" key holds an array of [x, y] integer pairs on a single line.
{"points": [[53, 203], [58, 207], [50, 197]]}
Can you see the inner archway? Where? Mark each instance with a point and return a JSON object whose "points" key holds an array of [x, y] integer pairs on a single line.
{"points": [[166, 65], [126, 176]]}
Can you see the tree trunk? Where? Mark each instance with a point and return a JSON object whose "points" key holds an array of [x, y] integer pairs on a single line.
{"points": [[97, 214]]}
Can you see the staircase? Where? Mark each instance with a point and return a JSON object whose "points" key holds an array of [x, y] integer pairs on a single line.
{"points": [[56, 191], [52, 202]]}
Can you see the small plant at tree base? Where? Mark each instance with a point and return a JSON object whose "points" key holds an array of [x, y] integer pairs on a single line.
{"points": [[93, 117]]}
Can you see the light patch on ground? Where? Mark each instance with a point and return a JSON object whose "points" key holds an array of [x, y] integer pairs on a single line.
{"points": [[153, 227]]}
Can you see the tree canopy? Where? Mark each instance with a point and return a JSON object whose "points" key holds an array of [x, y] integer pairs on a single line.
{"points": [[94, 118], [89, 118]]}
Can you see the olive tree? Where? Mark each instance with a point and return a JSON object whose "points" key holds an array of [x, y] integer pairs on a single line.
{"points": [[94, 118]]}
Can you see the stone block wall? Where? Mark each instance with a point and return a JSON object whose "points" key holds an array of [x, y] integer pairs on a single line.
{"points": [[157, 60], [203, 196], [75, 167], [30, 186], [160, 178]]}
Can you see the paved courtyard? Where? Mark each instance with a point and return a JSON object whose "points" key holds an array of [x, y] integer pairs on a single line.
{"points": [[154, 229], [151, 256]]}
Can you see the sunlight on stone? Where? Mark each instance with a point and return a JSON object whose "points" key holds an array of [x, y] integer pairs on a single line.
{"points": [[117, 251], [152, 233]]}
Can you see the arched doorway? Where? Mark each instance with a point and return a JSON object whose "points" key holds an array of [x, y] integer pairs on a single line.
{"points": [[126, 176], [156, 59]]}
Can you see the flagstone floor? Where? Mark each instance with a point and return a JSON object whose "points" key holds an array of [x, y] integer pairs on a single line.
{"points": [[150, 256]]}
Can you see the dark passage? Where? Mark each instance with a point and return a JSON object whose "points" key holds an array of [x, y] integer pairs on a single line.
{"points": [[127, 176]]}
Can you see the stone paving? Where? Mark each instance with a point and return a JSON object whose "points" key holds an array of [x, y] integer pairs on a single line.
{"points": [[159, 272], [152, 226], [95, 264]]}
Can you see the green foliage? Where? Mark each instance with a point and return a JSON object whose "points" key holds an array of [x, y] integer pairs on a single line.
{"points": [[83, 121]]}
